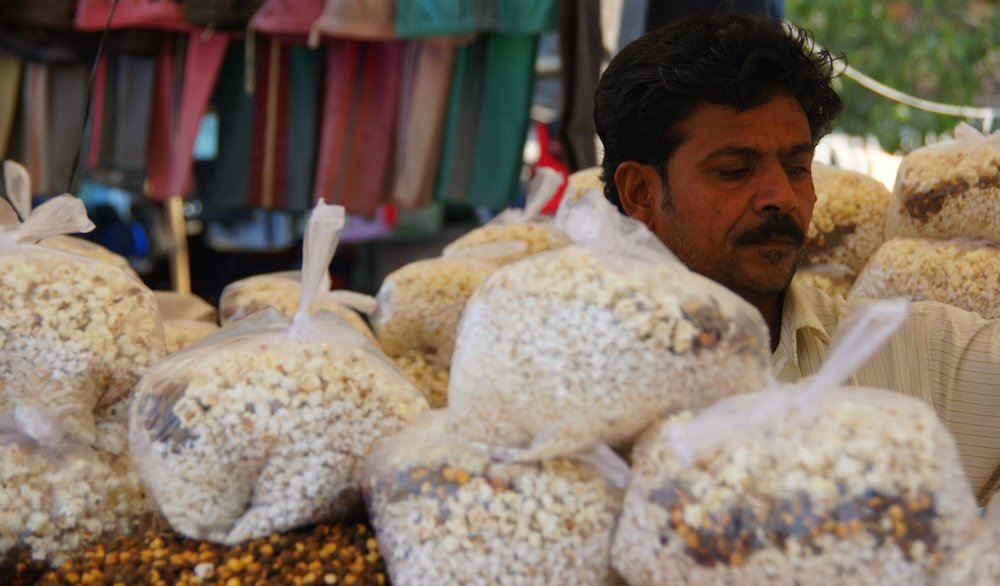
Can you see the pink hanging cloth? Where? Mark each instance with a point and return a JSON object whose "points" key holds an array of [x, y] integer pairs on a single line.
{"points": [[92, 15]]}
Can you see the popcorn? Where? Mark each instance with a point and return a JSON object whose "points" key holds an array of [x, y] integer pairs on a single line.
{"points": [[833, 280], [536, 236], [848, 220], [280, 291], [89, 249], [977, 563], [949, 189], [58, 500], [432, 380], [181, 333], [75, 334], [420, 304], [445, 514], [264, 431], [574, 347], [960, 272], [865, 489]]}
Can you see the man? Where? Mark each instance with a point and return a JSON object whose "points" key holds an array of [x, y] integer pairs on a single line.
{"points": [[709, 127]]}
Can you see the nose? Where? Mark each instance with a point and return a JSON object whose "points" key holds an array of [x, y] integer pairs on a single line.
{"points": [[775, 193]]}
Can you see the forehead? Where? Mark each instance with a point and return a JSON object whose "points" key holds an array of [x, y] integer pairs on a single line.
{"points": [[777, 126]]}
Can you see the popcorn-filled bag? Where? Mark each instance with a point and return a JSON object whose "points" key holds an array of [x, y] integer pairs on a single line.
{"points": [[977, 563], [417, 311], [949, 189], [58, 495], [282, 291], [960, 272], [848, 221], [447, 514], [588, 344], [524, 230], [262, 427], [75, 334], [181, 333], [810, 483], [833, 279]]}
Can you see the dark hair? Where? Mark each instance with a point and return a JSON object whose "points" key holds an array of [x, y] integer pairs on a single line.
{"points": [[738, 60]]}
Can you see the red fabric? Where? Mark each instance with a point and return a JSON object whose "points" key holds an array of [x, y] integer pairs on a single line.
{"points": [[269, 150], [547, 159], [359, 117], [92, 15], [172, 136], [287, 17], [97, 120]]}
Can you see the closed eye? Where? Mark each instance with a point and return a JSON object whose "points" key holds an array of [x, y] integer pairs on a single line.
{"points": [[734, 173]]}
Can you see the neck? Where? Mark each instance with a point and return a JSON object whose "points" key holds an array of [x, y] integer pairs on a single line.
{"points": [[770, 306]]}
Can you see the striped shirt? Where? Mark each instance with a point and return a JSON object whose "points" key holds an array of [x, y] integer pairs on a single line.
{"points": [[946, 356]]}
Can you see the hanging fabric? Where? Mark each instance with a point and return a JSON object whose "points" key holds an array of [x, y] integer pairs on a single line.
{"points": [[581, 52], [359, 117], [92, 15], [185, 79], [358, 19], [221, 14], [10, 90], [227, 187], [286, 17]]}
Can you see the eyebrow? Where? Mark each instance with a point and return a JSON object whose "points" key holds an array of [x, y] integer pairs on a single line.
{"points": [[741, 151]]}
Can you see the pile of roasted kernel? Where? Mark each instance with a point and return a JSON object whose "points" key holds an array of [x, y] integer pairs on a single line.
{"points": [[322, 554]]}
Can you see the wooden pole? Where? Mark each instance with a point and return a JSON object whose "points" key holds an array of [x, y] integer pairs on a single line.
{"points": [[180, 262]]}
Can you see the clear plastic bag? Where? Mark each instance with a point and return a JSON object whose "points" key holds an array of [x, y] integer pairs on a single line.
{"points": [[75, 333], [960, 272], [59, 496], [184, 306], [181, 333], [281, 291], [446, 514], [577, 186], [977, 563], [949, 189], [833, 279], [848, 220], [589, 344], [263, 426], [418, 306], [526, 230], [427, 375], [813, 483]]}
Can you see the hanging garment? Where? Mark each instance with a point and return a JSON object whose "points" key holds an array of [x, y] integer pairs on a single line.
{"points": [[286, 17], [489, 109], [423, 104], [581, 52], [30, 138], [359, 117], [92, 15], [285, 130], [68, 103], [10, 90], [178, 108], [366, 20], [432, 18], [227, 187]]}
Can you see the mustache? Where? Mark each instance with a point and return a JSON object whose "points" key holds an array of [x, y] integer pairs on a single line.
{"points": [[774, 228]]}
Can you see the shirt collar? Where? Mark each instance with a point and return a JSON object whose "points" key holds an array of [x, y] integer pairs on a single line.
{"points": [[798, 317]]}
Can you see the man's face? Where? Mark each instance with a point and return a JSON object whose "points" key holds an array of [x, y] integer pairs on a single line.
{"points": [[739, 195]]}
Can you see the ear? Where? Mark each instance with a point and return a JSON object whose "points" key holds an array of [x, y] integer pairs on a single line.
{"points": [[640, 189]]}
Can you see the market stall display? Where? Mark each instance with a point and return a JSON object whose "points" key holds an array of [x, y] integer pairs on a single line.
{"points": [[960, 272], [949, 189], [813, 483], [447, 514], [590, 343], [848, 220], [262, 427]]}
